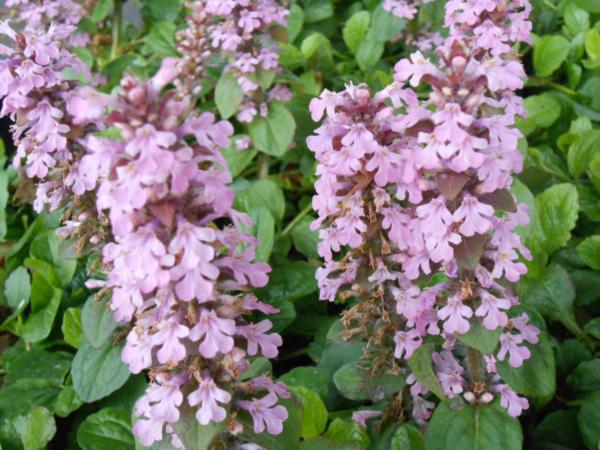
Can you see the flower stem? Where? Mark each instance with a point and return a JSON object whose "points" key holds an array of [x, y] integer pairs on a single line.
{"points": [[296, 219], [263, 166], [116, 29]]}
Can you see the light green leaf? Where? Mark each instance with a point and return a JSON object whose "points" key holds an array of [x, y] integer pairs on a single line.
{"points": [[355, 30], [97, 372], [384, 26], [265, 193], [305, 240], [542, 111], [36, 429], [369, 53], [348, 431], [17, 288], [50, 248], [228, 95], [295, 20], [315, 418], [45, 301], [582, 152], [160, 40], [589, 250], [273, 134], [576, 19], [592, 45], [71, 326], [263, 228], [67, 402], [549, 52], [480, 337], [357, 383]]}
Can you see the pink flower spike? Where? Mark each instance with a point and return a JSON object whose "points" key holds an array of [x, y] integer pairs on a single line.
{"points": [[265, 414]]}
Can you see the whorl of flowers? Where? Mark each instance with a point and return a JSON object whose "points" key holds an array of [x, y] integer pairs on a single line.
{"points": [[179, 268], [39, 98], [39, 14], [405, 9], [426, 189], [241, 32]]}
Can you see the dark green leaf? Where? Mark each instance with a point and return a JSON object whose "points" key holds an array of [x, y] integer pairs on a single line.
{"points": [[36, 429], [17, 288], [38, 363], [108, 429], [480, 337], [273, 134], [97, 321], [290, 282], [586, 376], [422, 366], [348, 431], [589, 420], [549, 52], [29, 392], [408, 437], [589, 250], [71, 327]]}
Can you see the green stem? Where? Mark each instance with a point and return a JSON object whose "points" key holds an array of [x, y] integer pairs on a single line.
{"points": [[535, 81], [116, 29], [296, 219], [474, 366], [263, 166]]}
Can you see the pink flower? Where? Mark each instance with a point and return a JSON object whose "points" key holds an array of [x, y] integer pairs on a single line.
{"points": [[490, 310], [529, 332], [217, 333], [475, 216], [510, 400], [208, 396], [168, 337], [265, 414], [436, 217], [406, 343], [256, 336], [361, 417], [414, 69], [454, 315], [509, 344]]}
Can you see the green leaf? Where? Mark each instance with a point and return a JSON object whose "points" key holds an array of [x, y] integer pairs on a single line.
{"points": [[3, 199], [473, 428], [67, 402], [29, 392], [592, 45], [586, 376], [369, 53], [36, 429], [99, 371], [576, 19], [355, 30], [167, 10], [589, 420], [97, 321], [263, 228], [322, 443], [552, 295], [558, 431], [557, 209], [537, 376], [71, 327], [589, 5], [101, 11], [273, 134], [317, 10], [37, 364], [593, 328], [569, 354], [295, 20], [408, 437], [357, 383], [315, 418], [421, 365], [582, 152], [228, 95], [480, 337], [47, 247], [265, 193], [305, 240], [549, 52], [160, 40], [114, 69], [593, 171], [385, 26], [312, 378], [589, 250], [290, 282], [347, 431], [238, 160], [312, 43], [45, 301], [108, 429], [17, 288], [542, 111]]}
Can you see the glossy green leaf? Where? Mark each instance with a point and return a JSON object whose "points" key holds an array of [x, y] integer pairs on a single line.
{"points": [[314, 419], [473, 428], [108, 429], [97, 372]]}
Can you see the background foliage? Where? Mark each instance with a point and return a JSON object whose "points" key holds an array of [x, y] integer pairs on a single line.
{"points": [[62, 383]]}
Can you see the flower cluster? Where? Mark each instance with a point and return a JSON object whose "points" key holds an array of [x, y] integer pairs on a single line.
{"points": [[405, 9], [240, 31], [38, 97], [39, 14], [409, 189], [142, 176], [181, 279]]}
